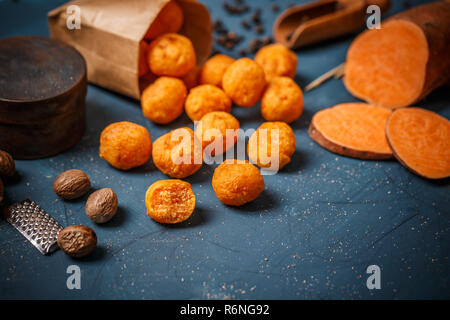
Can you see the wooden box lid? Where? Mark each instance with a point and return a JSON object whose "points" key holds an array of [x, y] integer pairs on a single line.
{"points": [[42, 96]]}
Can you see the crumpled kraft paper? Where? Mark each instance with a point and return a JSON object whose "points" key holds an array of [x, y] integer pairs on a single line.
{"points": [[110, 32]]}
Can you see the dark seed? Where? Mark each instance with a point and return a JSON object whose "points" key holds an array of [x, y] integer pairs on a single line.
{"points": [[256, 19], [255, 45], [259, 29], [245, 8], [245, 24], [275, 8], [231, 36], [229, 45], [221, 40], [267, 40], [235, 9], [243, 52]]}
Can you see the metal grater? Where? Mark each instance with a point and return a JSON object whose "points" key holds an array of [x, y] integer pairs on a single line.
{"points": [[34, 224]]}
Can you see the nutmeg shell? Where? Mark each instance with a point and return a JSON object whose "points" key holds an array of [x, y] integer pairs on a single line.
{"points": [[7, 164], [2, 190], [77, 241], [101, 205], [71, 184]]}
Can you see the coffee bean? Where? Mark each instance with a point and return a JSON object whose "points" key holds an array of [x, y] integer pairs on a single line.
{"points": [[259, 29], [255, 45], [221, 40], [219, 28], [256, 18], [245, 24], [229, 45], [267, 40], [232, 36], [235, 9]]}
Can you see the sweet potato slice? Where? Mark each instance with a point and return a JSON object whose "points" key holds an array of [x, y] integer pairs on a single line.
{"points": [[420, 140], [355, 130], [403, 61]]}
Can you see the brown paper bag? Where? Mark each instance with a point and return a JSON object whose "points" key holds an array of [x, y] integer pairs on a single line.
{"points": [[111, 31]]}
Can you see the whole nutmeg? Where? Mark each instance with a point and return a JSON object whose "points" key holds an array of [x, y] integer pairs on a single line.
{"points": [[7, 165], [1, 191], [77, 241], [71, 184], [101, 205]]}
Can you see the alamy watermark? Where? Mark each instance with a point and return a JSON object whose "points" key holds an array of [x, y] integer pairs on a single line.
{"points": [[374, 280], [265, 146], [74, 280], [374, 19], [73, 20]]}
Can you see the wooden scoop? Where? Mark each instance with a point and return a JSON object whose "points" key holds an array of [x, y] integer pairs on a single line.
{"points": [[313, 22]]}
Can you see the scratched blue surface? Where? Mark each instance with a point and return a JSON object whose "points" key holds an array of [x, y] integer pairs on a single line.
{"points": [[311, 235]]}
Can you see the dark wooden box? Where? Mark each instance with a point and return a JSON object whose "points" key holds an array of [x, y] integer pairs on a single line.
{"points": [[43, 87]]}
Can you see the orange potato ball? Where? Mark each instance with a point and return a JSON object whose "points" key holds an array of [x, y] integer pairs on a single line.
{"points": [[146, 80], [214, 68], [143, 66], [178, 153], [163, 100], [237, 182], [244, 82], [259, 147], [282, 100], [169, 20], [217, 128], [125, 145], [171, 55], [191, 78], [204, 99], [170, 201], [277, 60]]}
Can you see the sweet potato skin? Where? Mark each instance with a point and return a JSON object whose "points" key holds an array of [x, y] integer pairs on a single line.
{"points": [[434, 20], [345, 151], [350, 149]]}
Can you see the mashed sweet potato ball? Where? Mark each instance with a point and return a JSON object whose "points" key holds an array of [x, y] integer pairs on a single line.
{"points": [[125, 145], [244, 82], [171, 55], [204, 99], [163, 100], [214, 68], [282, 100], [217, 128], [178, 153], [237, 182], [260, 145], [277, 60], [170, 201]]}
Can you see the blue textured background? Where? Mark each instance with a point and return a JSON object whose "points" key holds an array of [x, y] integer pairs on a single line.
{"points": [[312, 233]]}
